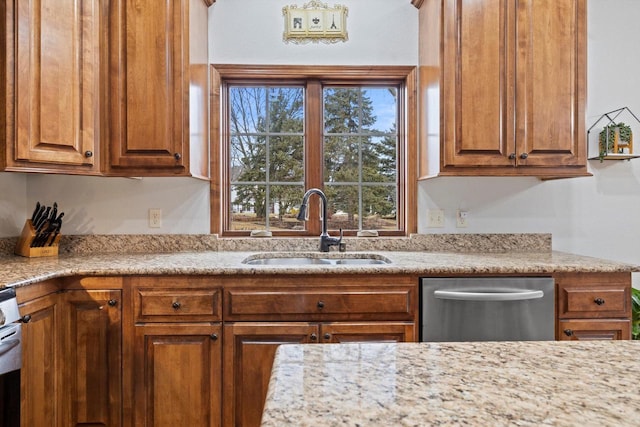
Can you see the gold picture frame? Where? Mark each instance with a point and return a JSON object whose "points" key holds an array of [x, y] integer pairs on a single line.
{"points": [[315, 22]]}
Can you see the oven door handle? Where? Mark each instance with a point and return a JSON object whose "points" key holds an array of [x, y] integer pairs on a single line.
{"points": [[515, 295], [7, 346]]}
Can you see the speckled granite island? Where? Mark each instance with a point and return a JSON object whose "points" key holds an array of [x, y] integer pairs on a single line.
{"points": [[477, 384]]}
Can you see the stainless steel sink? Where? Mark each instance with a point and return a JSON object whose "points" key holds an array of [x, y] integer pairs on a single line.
{"points": [[314, 259], [286, 261]]}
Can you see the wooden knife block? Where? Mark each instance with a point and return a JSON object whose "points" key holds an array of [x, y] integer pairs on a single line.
{"points": [[23, 247]]}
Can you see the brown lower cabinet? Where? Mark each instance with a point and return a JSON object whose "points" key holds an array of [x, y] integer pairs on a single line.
{"points": [[177, 375], [71, 373], [198, 350], [249, 349], [595, 306], [599, 329], [40, 393]]}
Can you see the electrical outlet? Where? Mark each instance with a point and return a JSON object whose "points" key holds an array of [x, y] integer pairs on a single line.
{"points": [[435, 218], [462, 218], [155, 218]]}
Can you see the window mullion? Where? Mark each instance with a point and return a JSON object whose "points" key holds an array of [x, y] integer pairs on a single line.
{"points": [[314, 162]]}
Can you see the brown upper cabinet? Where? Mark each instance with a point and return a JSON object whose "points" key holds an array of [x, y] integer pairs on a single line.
{"points": [[158, 88], [105, 87], [51, 100], [502, 87]]}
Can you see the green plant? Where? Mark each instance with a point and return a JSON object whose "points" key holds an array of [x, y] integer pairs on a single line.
{"points": [[635, 314], [608, 134]]}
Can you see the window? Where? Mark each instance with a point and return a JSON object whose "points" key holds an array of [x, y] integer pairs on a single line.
{"points": [[288, 129]]}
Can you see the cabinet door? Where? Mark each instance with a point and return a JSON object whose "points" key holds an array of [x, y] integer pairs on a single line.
{"points": [[150, 85], [513, 87], [57, 77], [372, 332], [177, 375], [40, 394], [477, 87], [249, 350], [604, 329], [92, 372], [551, 82]]}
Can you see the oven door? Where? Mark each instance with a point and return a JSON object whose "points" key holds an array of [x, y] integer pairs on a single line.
{"points": [[10, 364], [487, 309]]}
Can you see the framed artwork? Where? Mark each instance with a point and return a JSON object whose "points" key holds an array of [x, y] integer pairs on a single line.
{"points": [[315, 22]]}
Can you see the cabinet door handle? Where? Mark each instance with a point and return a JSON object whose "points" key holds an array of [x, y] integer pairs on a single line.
{"points": [[88, 154], [568, 332], [320, 305], [512, 156], [112, 302], [314, 337], [26, 318], [599, 301], [176, 305], [523, 156], [214, 337], [327, 336], [177, 156]]}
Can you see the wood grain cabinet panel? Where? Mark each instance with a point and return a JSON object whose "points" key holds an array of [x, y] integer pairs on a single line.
{"points": [[249, 350], [175, 355], [40, 393], [318, 303], [345, 332], [262, 313], [594, 301], [177, 375], [600, 329], [52, 99], [159, 87], [593, 306], [92, 372], [512, 79], [172, 305]]}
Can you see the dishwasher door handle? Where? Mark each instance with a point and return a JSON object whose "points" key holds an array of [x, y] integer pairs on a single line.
{"points": [[489, 296]]}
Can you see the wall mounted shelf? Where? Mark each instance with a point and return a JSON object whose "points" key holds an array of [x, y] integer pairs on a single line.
{"points": [[610, 121]]}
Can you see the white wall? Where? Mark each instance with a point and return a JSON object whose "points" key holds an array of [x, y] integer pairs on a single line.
{"points": [[13, 203], [98, 205], [381, 32], [598, 216]]}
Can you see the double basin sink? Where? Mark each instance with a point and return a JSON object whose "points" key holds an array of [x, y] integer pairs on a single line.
{"points": [[298, 259]]}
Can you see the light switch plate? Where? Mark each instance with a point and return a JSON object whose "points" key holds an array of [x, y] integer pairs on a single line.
{"points": [[435, 218], [155, 218], [461, 218]]}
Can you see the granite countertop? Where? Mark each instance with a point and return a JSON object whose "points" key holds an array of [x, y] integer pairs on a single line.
{"points": [[19, 271], [113, 255], [563, 383]]}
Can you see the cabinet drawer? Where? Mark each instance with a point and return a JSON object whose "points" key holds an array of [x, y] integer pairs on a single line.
{"points": [[594, 301], [602, 329], [165, 305], [285, 304]]}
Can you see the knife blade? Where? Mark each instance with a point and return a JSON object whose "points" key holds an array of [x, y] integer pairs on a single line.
{"points": [[56, 231], [35, 212], [40, 222], [43, 236], [38, 216], [54, 211]]}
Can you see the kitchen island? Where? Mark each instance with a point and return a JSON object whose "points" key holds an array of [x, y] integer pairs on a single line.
{"points": [[479, 384]]}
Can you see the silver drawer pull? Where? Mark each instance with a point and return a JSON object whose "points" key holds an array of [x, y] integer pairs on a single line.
{"points": [[489, 296]]}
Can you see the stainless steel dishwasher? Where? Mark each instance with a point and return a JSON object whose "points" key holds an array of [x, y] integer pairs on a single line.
{"points": [[487, 309]]}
